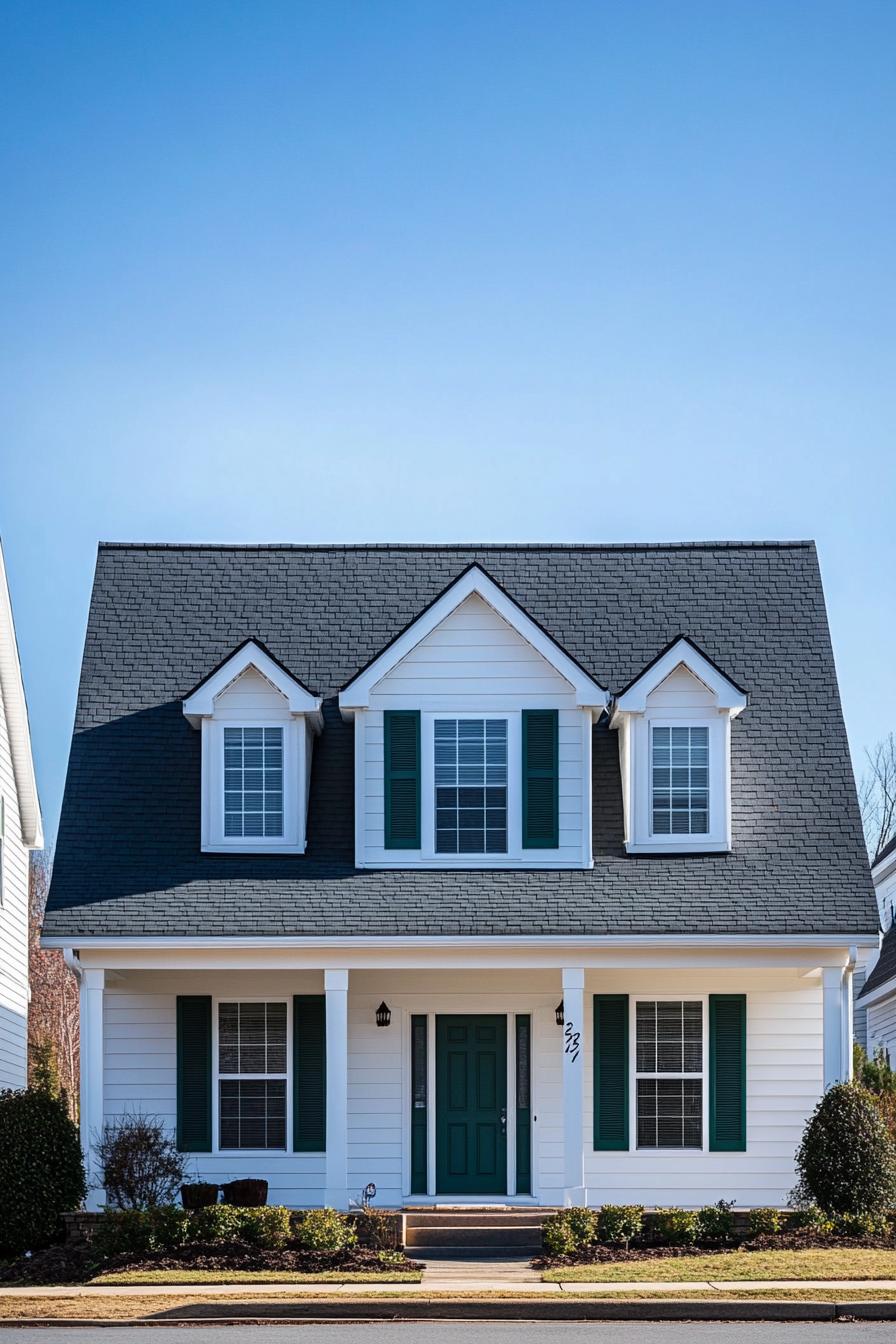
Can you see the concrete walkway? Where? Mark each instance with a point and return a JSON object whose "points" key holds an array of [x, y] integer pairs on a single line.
{"points": [[458, 1285]]}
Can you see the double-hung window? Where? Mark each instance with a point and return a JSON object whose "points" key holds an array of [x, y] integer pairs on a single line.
{"points": [[252, 1053], [680, 780], [470, 765], [669, 1073], [253, 782]]}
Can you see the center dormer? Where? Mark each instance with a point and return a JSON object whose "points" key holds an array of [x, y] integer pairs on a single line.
{"points": [[473, 740]]}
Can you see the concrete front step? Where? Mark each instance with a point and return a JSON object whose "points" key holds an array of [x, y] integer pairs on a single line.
{"points": [[465, 1238], [475, 1218]]}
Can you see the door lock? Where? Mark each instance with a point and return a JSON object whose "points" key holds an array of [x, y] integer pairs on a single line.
{"points": [[503, 1115]]}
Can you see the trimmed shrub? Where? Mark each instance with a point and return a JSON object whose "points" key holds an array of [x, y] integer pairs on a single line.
{"points": [[847, 1161], [715, 1222], [141, 1167], [861, 1225], [811, 1219], [764, 1222], [569, 1231], [167, 1228], [377, 1229], [618, 1224], [41, 1171], [323, 1230], [675, 1227]]}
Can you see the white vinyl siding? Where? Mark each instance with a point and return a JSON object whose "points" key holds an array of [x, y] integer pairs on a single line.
{"points": [[475, 664], [882, 1027], [13, 927]]}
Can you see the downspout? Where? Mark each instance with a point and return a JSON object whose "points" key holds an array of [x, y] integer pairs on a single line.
{"points": [[72, 961]]}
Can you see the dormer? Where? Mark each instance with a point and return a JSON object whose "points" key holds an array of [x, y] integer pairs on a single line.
{"points": [[473, 740], [258, 724], [674, 725]]}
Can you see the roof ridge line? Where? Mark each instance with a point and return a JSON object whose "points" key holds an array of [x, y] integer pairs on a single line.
{"points": [[784, 544]]}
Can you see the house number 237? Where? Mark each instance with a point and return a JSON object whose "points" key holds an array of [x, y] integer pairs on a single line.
{"points": [[573, 1040]]}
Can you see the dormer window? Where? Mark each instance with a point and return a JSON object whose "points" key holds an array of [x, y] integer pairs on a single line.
{"points": [[258, 725], [674, 724], [679, 779]]}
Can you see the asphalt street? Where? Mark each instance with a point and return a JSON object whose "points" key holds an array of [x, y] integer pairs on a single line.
{"points": [[510, 1332]]}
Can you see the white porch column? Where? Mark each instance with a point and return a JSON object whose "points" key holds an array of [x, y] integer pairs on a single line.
{"points": [[846, 1017], [573, 1089], [91, 1004], [336, 991], [832, 1024]]}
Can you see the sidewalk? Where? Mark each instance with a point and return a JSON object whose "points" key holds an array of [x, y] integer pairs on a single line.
{"points": [[455, 1285]]}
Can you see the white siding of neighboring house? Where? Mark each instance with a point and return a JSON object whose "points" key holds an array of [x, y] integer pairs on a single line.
{"points": [[784, 1048], [475, 661], [13, 929], [859, 1011], [882, 1027]]}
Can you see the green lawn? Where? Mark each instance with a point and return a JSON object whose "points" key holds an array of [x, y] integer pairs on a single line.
{"points": [[140, 1277], [818, 1264]]}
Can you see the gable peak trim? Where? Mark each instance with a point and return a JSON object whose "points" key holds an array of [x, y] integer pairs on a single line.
{"points": [[355, 694], [681, 651], [200, 702]]}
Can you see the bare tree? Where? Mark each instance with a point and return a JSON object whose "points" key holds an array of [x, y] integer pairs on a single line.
{"points": [[877, 794], [53, 1017]]}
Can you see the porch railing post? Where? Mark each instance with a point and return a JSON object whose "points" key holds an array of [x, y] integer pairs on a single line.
{"points": [[336, 991], [573, 1088]]}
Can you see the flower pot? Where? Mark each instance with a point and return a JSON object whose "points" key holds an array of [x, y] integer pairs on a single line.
{"points": [[198, 1196], [247, 1194]]}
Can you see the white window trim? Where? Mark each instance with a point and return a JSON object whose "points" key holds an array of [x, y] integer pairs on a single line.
{"points": [[217, 1150], [638, 782], [634, 1075], [427, 851], [295, 748]]}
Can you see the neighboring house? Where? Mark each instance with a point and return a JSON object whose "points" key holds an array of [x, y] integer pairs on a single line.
{"points": [[489, 873], [20, 832], [877, 1000]]}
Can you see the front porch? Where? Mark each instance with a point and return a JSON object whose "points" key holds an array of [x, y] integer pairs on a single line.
{"points": [[473, 1093]]}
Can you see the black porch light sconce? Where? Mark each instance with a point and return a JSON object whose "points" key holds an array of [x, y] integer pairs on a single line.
{"points": [[558, 1013], [383, 1015]]}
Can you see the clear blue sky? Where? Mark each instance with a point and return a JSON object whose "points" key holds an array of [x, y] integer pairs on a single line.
{"points": [[463, 270]]}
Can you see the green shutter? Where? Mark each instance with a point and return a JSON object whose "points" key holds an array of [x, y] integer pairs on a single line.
{"points": [[401, 743], [523, 1104], [611, 1072], [541, 822], [728, 1073], [309, 1073], [194, 1073], [419, 1088]]}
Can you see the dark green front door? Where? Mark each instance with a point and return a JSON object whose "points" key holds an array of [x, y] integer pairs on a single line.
{"points": [[471, 1105]]}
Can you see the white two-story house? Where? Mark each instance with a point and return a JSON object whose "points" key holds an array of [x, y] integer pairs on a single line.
{"points": [[877, 1000], [512, 874], [20, 832]]}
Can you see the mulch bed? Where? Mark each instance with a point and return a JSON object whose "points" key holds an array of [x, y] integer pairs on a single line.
{"points": [[803, 1240], [73, 1264]]}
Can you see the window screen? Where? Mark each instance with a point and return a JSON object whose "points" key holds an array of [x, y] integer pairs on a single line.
{"points": [[680, 781], [253, 782], [252, 1067], [669, 1050], [471, 786]]}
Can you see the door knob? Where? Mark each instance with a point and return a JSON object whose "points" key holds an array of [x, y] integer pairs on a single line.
{"points": [[503, 1114]]}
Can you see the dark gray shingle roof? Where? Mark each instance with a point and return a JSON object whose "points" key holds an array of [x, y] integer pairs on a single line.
{"points": [[128, 858]]}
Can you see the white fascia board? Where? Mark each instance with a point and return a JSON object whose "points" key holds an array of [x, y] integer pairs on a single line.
{"points": [[12, 690], [884, 991], [883, 869], [795, 940], [201, 704], [590, 695], [682, 653]]}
